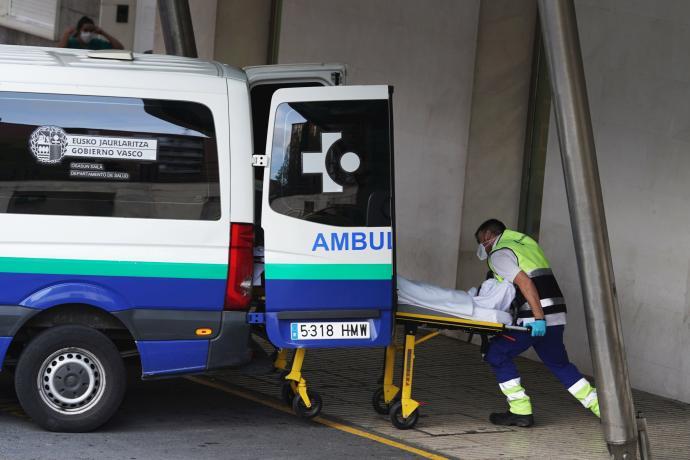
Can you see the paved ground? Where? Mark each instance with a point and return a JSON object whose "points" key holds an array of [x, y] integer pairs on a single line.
{"points": [[178, 419], [459, 391]]}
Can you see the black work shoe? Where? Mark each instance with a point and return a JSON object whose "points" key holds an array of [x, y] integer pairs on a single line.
{"points": [[510, 419]]}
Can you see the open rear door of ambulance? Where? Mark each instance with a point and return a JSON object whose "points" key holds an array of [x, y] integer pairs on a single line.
{"points": [[328, 217]]}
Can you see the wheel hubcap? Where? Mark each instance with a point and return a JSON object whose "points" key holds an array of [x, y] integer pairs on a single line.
{"points": [[71, 380]]}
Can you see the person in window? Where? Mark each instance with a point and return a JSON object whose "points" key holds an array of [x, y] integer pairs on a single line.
{"points": [[87, 35]]}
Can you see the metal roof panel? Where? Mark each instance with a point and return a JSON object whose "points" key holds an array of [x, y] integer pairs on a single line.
{"points": [[65, 57]]}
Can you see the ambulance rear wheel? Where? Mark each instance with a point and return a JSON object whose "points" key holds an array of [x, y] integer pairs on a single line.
{"points": [[307, 412], [286, 393], [70, 379], [401, 422], [379, 402]]}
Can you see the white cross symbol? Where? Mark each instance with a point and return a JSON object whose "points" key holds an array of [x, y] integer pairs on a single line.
{"points": [[315, 162]]}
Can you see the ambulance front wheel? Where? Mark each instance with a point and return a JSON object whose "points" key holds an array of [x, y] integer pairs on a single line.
{"points": [[379, 402], [401, 422], [307, 412], [70, 379]]}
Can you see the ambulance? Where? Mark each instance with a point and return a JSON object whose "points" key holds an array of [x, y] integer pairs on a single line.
{"points": [[134, 191]]}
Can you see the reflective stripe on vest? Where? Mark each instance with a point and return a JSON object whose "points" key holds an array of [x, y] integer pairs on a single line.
{"points": [[533, 262]]}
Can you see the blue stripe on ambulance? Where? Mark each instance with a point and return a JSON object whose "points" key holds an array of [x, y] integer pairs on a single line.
{"points": [[4, 345], [328, 294], [172, 356], [118, 293], [306, 295], [125, 292]]}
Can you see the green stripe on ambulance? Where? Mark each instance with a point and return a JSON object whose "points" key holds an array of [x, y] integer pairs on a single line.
{"points": [[329, 271], [113, 268]]}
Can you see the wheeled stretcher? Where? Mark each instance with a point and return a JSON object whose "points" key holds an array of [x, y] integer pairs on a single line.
{"points": [[389, 399], [397, 401], [293, 391]]}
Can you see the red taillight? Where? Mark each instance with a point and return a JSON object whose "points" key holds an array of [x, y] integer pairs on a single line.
{"points": [[238, 291]]}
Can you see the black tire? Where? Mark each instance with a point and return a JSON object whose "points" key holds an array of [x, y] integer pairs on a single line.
{"points": [[379, 403], [286, 393], [304, 411], [82, 379], [401, 422]]}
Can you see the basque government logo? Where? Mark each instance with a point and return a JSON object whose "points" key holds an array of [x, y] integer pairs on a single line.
{"points": [[48, 144]]}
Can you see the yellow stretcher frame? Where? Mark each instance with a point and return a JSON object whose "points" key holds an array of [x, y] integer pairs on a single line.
{"points": [[404, 412], [294, 392]]}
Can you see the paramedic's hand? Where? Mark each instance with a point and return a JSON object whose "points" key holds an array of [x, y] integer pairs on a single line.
{"points": [[538, 327]]}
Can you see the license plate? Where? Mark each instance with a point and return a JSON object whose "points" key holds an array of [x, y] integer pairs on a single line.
{"points": [[337, 330]]}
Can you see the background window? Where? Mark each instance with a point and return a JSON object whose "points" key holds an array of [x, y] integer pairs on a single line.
{"points": [[35, 17], [331, 162], [176, 177]]}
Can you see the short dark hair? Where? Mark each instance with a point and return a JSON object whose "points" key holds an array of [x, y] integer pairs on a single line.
{"points": [[494, 226], [83, 21]]}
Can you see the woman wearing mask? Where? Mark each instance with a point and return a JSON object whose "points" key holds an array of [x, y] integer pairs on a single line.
{"points": [[84, 36]]}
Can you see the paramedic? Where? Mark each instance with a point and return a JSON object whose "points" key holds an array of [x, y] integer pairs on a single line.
{"points": [[541, 307], [84, 36]]}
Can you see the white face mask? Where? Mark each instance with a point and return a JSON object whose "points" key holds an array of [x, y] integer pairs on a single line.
{"points": [[86, 36], [481, 250]]}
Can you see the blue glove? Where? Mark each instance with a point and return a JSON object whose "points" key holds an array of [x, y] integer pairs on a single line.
{"points": [[538, 327]]}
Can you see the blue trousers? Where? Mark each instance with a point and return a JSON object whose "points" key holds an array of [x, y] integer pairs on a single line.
{"points": [[550, 348]]}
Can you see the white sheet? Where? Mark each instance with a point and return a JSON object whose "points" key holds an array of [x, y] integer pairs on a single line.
{"points": [[479, 314], [448, 301], [494, 295], [491, 304], [491, 315]]}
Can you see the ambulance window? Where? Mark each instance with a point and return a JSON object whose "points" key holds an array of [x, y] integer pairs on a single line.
{"points": [[331, 162], [107, 156], [261, 107], [261, 95]]}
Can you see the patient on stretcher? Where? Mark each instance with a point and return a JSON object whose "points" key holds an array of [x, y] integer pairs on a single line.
{"points": [[490, 303]]}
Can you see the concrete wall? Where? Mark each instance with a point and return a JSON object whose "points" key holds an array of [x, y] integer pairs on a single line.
{"points": [[145, 25], [123, 31], [638, 75], [497, 131], [234, 32], [430, 60], [204, 24], [242, 31]]}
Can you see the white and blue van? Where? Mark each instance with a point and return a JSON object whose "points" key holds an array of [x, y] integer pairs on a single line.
{"points": [[128, 219]]}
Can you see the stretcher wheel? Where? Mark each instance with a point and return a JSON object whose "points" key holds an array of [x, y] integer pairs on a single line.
{"points": [[286, 393], [304, 411], [379, 403], [401, 422]]}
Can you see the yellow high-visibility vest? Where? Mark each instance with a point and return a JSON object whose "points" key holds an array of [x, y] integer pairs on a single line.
{"points": [[533, 262]]}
